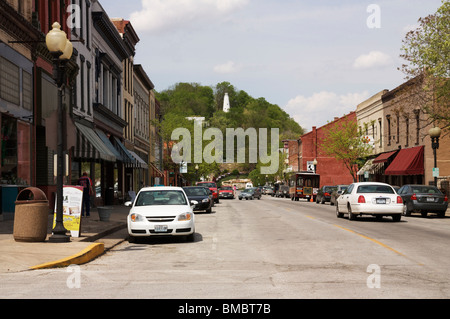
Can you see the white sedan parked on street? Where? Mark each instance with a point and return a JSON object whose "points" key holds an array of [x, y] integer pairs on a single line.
{"points": [[161, 211], [370, 198]]}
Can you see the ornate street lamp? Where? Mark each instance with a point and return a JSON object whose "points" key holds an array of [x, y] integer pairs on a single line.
{"points": [[435, 133], [315, 165], [61, 49]]}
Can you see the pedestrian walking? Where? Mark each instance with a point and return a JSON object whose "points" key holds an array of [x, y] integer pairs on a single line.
{"points": [[88, 190]]}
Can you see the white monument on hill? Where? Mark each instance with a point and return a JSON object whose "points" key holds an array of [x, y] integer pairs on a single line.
{"points": [[226, 103]]}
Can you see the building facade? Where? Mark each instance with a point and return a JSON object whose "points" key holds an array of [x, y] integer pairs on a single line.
{"points": [[402, 151], [308, 148], [142, 90], [18, 52]]}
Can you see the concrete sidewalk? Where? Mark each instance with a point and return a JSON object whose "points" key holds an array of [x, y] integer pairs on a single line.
{"points": [[96, 237]]}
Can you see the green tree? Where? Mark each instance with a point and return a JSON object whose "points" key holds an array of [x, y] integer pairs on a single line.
{"points": [[426, 50]]}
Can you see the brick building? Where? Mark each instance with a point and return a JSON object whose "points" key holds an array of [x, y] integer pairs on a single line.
{"points": [[308, 148]]}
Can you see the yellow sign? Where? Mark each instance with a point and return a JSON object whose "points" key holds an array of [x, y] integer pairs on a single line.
{"points": [[72, 201]]}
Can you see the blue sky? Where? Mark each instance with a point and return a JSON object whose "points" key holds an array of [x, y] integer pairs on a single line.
{"points": [[315, 59]]}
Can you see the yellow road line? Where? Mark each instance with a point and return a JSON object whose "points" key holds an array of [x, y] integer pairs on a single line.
{"points": [[373, 240]]}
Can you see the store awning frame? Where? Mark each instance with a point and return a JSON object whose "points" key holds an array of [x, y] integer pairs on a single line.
{"points": [[90, 146], [156, 169], [108, 143], [139, 161], [127, 158], [409, 161], [384, 157], [371, 167]]}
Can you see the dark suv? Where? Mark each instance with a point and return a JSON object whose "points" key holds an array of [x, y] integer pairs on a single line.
{"points": [[324, 194]]}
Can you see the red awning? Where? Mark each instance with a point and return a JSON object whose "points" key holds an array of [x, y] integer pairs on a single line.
{"points": [[409, 161], [383, 157]]}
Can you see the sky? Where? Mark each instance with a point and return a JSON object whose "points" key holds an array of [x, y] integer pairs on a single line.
{"points": [[315, 59]]}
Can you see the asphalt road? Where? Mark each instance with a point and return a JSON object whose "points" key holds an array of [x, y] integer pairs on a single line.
{"points": [[268, 248]]}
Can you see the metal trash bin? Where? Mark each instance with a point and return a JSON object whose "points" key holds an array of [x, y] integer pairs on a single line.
{"points": [[31, 216], [104, 213]]}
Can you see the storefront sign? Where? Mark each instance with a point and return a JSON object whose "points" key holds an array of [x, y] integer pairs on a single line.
{"points": [[72, 201]]}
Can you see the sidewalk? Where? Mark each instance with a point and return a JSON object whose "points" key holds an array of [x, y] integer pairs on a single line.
{"points": [[96, 237]]}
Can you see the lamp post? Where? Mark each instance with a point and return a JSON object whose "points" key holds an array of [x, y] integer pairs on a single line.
{"points": [[435, 133], [196, 172], [61, 50], [315, 166]]}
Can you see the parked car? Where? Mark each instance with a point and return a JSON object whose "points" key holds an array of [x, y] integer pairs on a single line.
{"points": [[324, 194], [161, 211], [336, 193], [283, 191], [250, 193], [202, 195], [370, 198], [213, 187], [423, 199], [226, 192], [269, 191]]}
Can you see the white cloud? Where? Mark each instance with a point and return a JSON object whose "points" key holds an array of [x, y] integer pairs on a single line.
{"points": [[318, 109], [164, 15], [371, 60], [227, 68]]}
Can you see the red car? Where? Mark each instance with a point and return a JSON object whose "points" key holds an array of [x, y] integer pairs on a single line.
{"points": [[213, 187], [226, 192]]}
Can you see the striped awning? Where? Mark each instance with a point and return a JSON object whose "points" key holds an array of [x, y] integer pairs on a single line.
{"points": [[108, 143], [90, 146], [371, 167], [139, 161], [155, 171], [127, 158]]}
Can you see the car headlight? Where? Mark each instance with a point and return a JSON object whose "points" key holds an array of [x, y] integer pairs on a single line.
{"points": [[205, 200], [136, 218], [185, 217]]}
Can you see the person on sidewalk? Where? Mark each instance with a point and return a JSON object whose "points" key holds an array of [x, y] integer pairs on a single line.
{"points": [[88, 190]]}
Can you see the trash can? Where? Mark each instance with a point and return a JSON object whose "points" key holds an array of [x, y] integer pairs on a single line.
{"points": [[104, 213], [31, 216]]}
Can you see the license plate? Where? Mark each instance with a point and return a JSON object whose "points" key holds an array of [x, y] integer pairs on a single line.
{"points": [[160, 228], [381, 200], [430, 199]]}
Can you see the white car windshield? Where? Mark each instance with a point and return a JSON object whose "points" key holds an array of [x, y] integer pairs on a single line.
{"points": [[166, 197]]}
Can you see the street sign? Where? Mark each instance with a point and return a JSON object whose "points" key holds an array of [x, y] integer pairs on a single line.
{"points": [[183, 168], [310, 166], [435, 171]]}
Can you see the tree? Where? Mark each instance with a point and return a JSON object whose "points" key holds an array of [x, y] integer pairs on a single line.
{"points": [[426, 50], [343, 142]]}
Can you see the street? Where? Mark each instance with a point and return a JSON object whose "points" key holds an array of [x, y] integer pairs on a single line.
{"points": [[268, 248]]}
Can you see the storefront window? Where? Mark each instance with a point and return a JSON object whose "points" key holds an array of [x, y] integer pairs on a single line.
{"points": [[15, 152], [23, 154], [98, 180]]}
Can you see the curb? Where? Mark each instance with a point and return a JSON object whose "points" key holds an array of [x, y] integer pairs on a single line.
{"points": [[104, 233], [86, 255]]}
